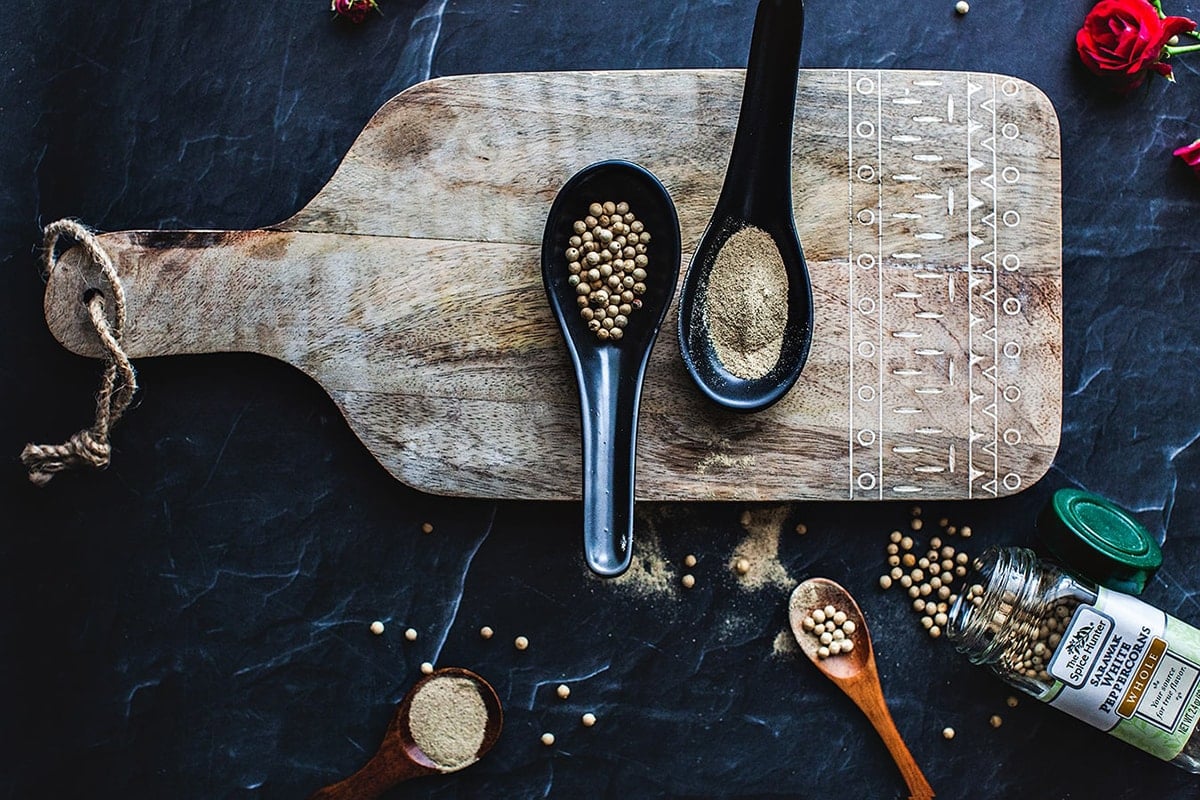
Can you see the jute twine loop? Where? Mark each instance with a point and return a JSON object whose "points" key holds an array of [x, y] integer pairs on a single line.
{"points": [[89, 447]]}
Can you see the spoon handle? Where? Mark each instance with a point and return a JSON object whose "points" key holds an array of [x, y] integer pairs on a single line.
{"points": [[609, 404], [763, 142], [386, 768], [870, 700]]}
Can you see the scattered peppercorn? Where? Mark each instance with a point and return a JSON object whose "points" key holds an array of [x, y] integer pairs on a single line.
{"points": [[521, 643], [426, 668], [742, 565], [486, 632], [548, 739], [688, 581], [377, 627], [801, 529], [427, 527], [927, 574], [563, 691], [411, 635], [1011, 701], [947, 733], [995, 721], [689, 560], [962, 7], [588, 719]]}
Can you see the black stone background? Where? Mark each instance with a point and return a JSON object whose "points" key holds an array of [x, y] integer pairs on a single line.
{"points": [[192, 621]]}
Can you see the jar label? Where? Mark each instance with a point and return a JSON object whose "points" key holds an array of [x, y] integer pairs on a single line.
{"points": [[1126, 667]]}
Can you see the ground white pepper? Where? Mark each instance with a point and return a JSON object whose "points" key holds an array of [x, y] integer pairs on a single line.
{"points": [[745, 307], [377, 627], [448, 720], [607, 260]]}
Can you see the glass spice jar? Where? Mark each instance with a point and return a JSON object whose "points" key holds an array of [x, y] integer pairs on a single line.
{"points": [[1102, 656]]}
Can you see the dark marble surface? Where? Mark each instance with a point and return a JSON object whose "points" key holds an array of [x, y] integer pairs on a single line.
{"points": [[192, 622]]}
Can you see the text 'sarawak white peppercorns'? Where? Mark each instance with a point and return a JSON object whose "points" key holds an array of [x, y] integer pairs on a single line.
{"points": [[607, 256]]}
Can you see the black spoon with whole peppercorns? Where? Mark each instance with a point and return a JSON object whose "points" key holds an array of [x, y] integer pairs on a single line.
{"points": [[746, 307], [610, 278]]}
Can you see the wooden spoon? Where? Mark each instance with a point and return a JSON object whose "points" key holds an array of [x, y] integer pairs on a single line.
{"points": [[400, 759], [854, 672]]}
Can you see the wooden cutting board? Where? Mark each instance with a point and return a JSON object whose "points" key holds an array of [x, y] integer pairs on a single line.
{"points": [[928, 205]]}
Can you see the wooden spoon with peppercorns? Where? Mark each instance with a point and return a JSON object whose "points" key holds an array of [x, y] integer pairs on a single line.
{"points": [[853, 672]]}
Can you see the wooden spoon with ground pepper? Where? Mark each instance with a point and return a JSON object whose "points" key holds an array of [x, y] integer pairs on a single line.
{"points": [[854, 672], [400, 758]]}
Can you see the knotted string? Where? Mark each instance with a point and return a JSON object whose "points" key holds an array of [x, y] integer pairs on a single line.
{"points": [[89, 447]]}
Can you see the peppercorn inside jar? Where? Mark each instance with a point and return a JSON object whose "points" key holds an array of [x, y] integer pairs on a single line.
{"points": [[1104, 657]]}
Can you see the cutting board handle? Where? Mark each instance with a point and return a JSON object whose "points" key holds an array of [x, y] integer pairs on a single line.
{"points": [[186, 292]]}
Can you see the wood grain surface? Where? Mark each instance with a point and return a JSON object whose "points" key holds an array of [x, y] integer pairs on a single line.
{"points": [[928, 205]]}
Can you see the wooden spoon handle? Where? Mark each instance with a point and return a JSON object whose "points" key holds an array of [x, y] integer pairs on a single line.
{"points": [[872, 704], [385, 769]]}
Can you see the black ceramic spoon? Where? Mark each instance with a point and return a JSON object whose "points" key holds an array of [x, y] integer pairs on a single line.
{"points": [[610, 373], [757, 192]]}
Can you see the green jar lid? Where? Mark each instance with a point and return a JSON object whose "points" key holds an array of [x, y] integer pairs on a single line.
{"points": [[1099, 540]]}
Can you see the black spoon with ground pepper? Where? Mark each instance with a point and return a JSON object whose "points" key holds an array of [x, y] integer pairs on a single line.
{"points": [[757, 194], [610, 373]]}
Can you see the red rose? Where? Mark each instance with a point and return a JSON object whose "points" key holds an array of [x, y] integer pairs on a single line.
{"points": [[1191, 155], [1123, 41], [354, 10]]}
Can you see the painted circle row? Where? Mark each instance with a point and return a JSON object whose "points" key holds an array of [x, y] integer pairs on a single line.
{"points": [[1010, 88]]}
